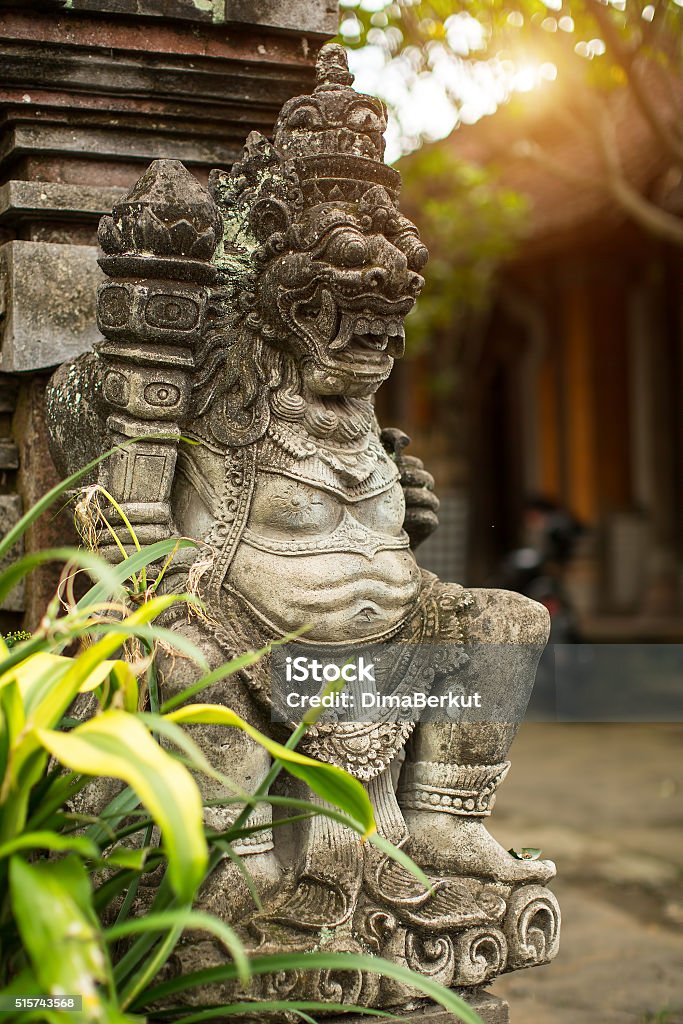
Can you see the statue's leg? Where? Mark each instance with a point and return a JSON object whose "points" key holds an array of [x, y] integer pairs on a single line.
{"points": [[235, 755], [453, 769]]}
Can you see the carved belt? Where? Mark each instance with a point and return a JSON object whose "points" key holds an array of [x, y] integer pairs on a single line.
{"points": [[365, 749], [350, 536]]}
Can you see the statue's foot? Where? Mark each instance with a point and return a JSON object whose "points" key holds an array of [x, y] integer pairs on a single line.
{"points": [[448, 844]]}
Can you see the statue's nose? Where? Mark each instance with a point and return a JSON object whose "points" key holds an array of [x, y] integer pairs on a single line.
{"points": [[393, 278]]}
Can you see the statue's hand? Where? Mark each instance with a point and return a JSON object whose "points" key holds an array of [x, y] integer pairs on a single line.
{"points": [[422, 504]]}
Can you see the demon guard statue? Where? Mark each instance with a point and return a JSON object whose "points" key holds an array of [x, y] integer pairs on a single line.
{"points": [[258, 320]]}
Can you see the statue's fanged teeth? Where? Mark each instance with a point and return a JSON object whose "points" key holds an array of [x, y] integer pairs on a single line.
{"points": [[327, 320], [367, 333], [344, 334]]}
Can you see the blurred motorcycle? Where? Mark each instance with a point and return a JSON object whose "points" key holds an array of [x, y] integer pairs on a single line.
{"points": [[537, 570]]}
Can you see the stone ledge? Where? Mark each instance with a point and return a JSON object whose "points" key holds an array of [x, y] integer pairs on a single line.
{"points": [[20, 199], [288, 15], [318, 17], [491, 1010]]}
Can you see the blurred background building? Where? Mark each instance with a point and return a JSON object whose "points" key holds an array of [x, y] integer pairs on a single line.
{"points": [[565, 381]]}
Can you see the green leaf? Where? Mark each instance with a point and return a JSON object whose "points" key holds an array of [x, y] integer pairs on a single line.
{"points": [[44, 840], [328, 781], [397, 854], [127, 568], [320, 961], [118, 808], [240, 865], [222, 672], [37, 677], [229, 669], [52, 906], [18, 530], [151, 635], [178, 737], [393, 852], [270, 1006], [133, 858], [95, 565], [194, 919], [12, 721], [118, 745], [526, 853]]}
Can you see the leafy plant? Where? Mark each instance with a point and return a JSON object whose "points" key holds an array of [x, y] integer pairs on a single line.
{"points": [[12, 639], [64, 877]]}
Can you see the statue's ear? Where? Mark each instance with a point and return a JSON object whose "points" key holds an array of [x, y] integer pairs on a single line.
{"points": [[267, 217]]}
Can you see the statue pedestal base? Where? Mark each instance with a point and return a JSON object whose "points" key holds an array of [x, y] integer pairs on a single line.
{"points": [[491, 1010]]}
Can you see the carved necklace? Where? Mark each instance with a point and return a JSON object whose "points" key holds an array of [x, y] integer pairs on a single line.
{"points": [[352, 464]]}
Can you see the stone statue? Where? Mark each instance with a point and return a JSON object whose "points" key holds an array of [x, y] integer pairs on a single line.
{"points": [[258, 319]]}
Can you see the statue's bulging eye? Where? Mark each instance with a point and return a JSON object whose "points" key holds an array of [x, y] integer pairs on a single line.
{"points": [[347, 249]]}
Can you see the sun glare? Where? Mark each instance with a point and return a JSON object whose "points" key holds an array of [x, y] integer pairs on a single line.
{"points": [[429, 104]]}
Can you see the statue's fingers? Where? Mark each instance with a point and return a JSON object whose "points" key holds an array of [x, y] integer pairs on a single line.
{"points": [[421, 498], [415, 476], [419, 524]]}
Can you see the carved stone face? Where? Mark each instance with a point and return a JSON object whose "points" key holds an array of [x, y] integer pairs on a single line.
{"points": [[342, 289]]}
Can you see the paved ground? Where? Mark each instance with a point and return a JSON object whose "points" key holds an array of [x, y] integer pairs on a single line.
{"points": [[606, 803]]}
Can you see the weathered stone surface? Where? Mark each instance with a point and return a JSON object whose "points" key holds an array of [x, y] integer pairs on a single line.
{"points": [[490, 1009], [50, 303], [9, 455], [10, 514], [23, 199], [35, 477], [296, 15], [87, 98], [258, 319], [314, 16]]}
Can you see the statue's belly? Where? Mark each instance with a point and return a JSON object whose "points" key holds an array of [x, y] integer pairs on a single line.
{"points": [[342, 596]]}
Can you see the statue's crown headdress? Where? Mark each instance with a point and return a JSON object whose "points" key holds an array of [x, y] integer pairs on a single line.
{"points": [[327, 147], [334, 138]]}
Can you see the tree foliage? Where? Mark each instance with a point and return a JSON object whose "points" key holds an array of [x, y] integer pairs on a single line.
{"points": [[469, 223], [596, 49]]}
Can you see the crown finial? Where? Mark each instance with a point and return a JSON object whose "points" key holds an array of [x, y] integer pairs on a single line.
{"points": [[332, 68]]}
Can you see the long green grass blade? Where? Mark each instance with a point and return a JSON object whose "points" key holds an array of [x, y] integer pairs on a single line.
{"points": [[150, 634], [95, 565], [328, 781], [228, 669], [116, 744], [319, 961], [44, 503], [274, 1005], [162, 726], [194, 919], [52, 841], [123, 570]]}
